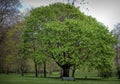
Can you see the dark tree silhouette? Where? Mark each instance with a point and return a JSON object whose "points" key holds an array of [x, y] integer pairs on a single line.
{"points": [[8, 10]]}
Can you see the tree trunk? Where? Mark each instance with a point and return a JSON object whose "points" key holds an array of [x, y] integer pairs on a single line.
{"points": [[22, 67], [73, 71], [118, 74], [39, 73], [36, 71], [66, 70], [7, 71], [22, 70], [45, 69]]}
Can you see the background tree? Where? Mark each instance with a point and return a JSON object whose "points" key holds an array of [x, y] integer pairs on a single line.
{"points": [[8, 10], [70, 37], [13, 41], [116, 32], [3, 32], [8, 16]]}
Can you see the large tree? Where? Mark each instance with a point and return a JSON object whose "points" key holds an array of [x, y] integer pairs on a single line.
{"points": [[70, 37], [9, 14]]}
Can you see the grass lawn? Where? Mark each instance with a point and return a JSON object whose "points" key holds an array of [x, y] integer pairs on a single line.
{"points": [[30, 79]]}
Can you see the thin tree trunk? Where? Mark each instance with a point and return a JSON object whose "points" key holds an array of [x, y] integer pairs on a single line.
{"points": [[39, 69], [73, 71], [36, 71], [7, 71], [21, 66], [44, 69], [22, 70]]}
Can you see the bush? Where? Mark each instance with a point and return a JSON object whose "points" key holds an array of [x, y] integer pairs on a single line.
{"points": [[105, 73]]}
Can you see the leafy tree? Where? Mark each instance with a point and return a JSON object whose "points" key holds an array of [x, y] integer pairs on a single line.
{"points": [[31, 47], [8, 16], [70, 37], [116, 32], [13, 41], [67, 43]]}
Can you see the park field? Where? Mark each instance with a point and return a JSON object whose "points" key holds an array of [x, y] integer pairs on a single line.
{"points": [[30, 79]]}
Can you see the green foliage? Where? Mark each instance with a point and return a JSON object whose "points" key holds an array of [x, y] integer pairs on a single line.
{"points": [[80, 43], [106, 74], [30, 47], [12, 42], [62, 32]]}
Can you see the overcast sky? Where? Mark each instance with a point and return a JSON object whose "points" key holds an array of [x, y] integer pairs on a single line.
{"points": [[105, 11]]}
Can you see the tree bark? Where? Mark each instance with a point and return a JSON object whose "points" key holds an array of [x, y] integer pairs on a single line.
{"points": [[22, 66], [118, 74], [45, 69], [73, 71], [36, 71], [66, 70], [65, 67], [22, 70]]}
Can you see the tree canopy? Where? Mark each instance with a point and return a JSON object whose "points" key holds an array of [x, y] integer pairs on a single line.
{"points": [[68, 36]]}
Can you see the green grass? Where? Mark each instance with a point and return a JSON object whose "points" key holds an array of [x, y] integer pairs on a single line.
{"points": [[30, 79]]}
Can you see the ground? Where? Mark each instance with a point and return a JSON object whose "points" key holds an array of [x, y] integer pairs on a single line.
{"points": [[30, 79]]}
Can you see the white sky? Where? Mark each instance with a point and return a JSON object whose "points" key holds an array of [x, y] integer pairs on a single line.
{"points": [[105, 11]]}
